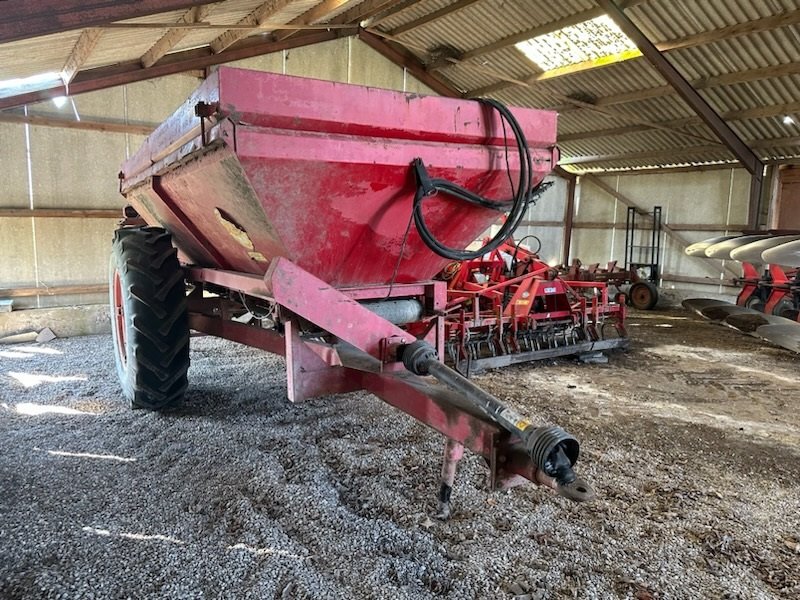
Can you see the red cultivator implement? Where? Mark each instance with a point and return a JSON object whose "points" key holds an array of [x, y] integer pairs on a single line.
{"points": [[304, 222], [510, 307]]}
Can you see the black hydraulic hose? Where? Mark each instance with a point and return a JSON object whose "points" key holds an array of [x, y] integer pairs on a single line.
{"points": [[517, 206], [516, 250]]}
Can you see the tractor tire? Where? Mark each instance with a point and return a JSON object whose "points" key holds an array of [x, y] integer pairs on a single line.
{"points": [[785, 308], [755, 302], [150, 323], [643, 295]]}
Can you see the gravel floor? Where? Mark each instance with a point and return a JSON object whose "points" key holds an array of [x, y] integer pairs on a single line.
{"points": [[692, 440]]}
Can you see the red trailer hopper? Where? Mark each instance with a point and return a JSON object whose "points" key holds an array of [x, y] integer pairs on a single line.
{"points": [[290, 203]]}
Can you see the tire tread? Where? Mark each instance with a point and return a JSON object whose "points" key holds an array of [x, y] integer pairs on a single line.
{"points": [[157, 327]]}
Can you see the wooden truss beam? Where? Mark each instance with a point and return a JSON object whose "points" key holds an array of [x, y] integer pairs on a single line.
{"points": [[320, 12], [98, 79], [80, 53], [366, 10], [712, 227], [429, 18], [255, 18], [698, 84], [533, 32], [395, 10], [677, 154], [765, 24], [733, 115], [45, 120], [173, 35], [62, 213], [53, 290], [22, 19]]}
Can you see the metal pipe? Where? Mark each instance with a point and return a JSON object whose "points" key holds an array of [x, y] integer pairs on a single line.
{"points": [[398, 312]]}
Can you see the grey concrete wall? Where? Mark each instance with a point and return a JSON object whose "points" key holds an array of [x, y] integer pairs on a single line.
{"points": [[549, 208], [45, 167], [717, 198]]}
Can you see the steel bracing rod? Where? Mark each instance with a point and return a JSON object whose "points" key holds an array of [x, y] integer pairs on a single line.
{"points": [[743, 153]]}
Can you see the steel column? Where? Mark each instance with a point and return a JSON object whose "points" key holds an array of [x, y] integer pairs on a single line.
{"points": [[710, 117], [569, 212]]}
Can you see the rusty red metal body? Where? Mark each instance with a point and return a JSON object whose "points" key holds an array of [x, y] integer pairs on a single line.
{"points": [[290, 201], [318, 172]]}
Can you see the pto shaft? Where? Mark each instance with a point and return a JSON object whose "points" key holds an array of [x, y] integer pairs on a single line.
{"points": [[552, 450]]}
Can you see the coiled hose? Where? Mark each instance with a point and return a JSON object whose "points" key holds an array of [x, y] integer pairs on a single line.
{"points": [[523, 195]]}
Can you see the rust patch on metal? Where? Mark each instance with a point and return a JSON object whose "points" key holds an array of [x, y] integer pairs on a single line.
{"points": [[236, 231], [258, 257]]}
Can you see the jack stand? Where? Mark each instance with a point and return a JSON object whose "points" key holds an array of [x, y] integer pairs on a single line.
{"points": [[453, 451]]}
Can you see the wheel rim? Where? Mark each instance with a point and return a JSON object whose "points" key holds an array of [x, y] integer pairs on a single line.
{"points": [[640, 295], [119, 319]]}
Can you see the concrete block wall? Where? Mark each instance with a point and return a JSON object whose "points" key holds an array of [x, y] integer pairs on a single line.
{"points": [[545, 220], [46, 167], [711, 198]]}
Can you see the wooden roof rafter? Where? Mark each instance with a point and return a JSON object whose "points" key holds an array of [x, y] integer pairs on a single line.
{"points": [[255, 18], [661, 91], [759, 112], [625, 116], [429, 18], [674, 155], [100, 78], [174, 35], [396, 9], [80, 53], [314, 15], [365, 10], [22, 19]]}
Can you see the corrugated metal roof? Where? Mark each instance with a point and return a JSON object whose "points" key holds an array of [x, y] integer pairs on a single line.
{"points": [[627, 93], [662, 22], [412, 13]]}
